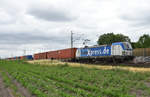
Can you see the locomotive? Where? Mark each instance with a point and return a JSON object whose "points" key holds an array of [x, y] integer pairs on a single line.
{"points": [[116, 51]]}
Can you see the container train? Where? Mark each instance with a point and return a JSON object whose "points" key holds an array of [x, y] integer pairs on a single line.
{"points": [[115, 51]]}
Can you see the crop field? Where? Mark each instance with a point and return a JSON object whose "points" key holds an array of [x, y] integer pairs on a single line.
{"points": [[62, 80]]}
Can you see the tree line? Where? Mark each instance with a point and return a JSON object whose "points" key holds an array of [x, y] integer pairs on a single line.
{"points": [[109, 38]]}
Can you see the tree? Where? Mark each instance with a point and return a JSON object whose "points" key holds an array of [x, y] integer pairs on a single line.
{"points": [[110, 38], [144, 41], [135, 45]]}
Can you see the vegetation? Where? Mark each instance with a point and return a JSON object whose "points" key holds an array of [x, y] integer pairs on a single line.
{"points": [[66, 81], [110, 38], [143, 42]]}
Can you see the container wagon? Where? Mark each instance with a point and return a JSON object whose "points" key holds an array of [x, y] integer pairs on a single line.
{"points": [[64, 54], [29, 57], [52, 55], [67, 54], [39, 56]]}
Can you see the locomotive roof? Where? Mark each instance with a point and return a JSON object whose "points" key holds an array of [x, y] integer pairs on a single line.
{"points": [[115, 43], [95, 46]]}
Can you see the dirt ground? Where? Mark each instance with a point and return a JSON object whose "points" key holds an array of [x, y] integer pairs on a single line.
{"points": [[8, 92], [4, 92]]}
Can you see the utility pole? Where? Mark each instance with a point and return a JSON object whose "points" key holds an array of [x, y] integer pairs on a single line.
{"points": [[71, 39], [11, 54], [71, 44], [24, 52], [74, 39], [85, 42]]}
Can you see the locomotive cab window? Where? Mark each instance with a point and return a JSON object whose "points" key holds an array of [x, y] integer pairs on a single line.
{"points": [[127, 46]]}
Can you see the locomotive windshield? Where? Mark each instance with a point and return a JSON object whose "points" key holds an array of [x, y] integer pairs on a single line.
{"points": [[127, 46]]}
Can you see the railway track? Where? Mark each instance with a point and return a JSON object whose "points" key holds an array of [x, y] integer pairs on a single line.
{"points": [[130, 64]]}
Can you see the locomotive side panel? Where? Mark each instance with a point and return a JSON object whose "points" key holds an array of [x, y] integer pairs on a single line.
{"points": [[94, 51]]}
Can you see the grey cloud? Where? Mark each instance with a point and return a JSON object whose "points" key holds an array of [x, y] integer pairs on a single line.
{"points": [[26, 38], [50, 14], [137, 17], [16, 42], [7, 47]]}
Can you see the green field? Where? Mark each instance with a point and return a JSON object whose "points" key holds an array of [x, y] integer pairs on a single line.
{"points": [[67, 81]]}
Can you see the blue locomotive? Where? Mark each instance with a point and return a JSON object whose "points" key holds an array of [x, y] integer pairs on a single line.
{"points": [[118, 50]]}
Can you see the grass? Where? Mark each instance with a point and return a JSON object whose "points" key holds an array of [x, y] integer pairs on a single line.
{"points": [[63, 80], [55, 62]]}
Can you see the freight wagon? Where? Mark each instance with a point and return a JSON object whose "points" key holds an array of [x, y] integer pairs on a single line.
{"points": [[52, 55], [67, 54], [64, 54], [40, 56], [29, 57]]}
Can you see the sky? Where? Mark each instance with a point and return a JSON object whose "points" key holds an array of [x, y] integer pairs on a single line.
{"points": [[32, 26]]}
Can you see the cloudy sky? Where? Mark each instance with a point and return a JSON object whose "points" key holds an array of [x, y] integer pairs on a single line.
{"points": [[31, 26]]}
